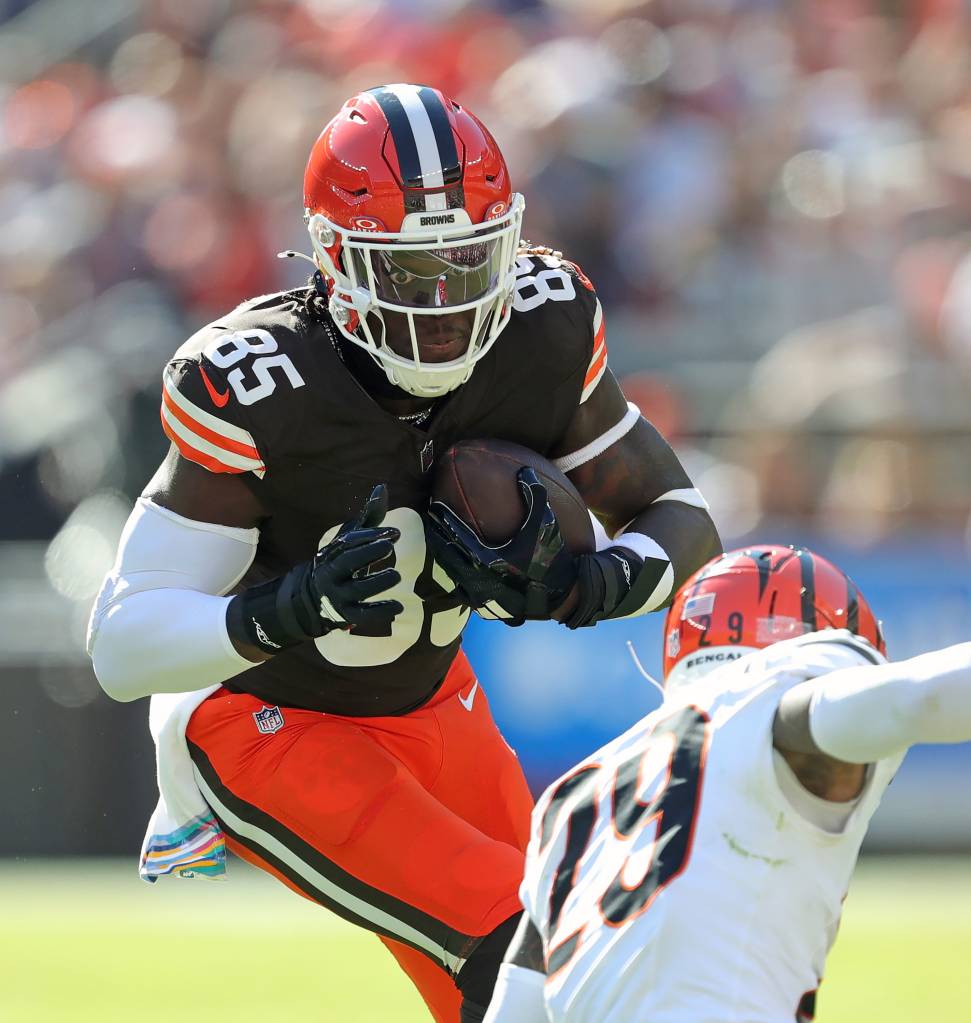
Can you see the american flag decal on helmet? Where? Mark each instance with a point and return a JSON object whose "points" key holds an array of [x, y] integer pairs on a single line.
{"points": [[428, 161]]}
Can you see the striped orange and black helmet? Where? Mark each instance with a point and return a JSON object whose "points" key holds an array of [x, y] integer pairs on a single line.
{"points": [[755, 596]]}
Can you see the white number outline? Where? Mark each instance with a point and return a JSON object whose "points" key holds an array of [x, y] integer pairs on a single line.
{"points": [[349, 651], [526, 274], [251, 342]]}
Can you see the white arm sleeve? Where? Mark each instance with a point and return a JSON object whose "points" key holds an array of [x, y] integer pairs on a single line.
{"points": [[517, 996], [863, 714], [159, 622]]}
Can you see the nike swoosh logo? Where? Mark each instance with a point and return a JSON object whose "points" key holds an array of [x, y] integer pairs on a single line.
{"points": [[217, 399], [467, 701]]}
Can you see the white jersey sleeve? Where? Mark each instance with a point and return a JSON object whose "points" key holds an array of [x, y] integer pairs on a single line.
{"points": [[159, 622], [865, 713]]}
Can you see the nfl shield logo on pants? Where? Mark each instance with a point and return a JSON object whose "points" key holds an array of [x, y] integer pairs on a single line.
{"points": [[268, 720]]}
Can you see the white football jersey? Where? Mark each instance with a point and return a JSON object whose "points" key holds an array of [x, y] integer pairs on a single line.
{"points": [[669, 876]]}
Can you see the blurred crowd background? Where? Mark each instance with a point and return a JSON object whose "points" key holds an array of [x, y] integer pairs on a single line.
{"points": [[772, 198]]}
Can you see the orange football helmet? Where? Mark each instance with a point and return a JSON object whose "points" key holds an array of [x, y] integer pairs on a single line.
{"points": [[756, 596], [410, 210]]}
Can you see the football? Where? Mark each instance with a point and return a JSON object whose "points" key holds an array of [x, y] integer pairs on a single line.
{"points": [[477, 480]]}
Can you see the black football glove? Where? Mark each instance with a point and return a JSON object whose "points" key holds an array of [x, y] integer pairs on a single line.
{"points": [[531, 575], [613, 583], [328, 592], [528, 577]]}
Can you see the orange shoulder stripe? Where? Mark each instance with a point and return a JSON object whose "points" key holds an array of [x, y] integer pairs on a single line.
{"points": [[221, 441], [194, 455], [596, 365]]}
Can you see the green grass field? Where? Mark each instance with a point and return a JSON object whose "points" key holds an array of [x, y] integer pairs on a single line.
{"points": [[87, 941]]}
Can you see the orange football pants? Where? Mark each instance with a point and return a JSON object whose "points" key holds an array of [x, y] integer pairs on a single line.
{"points": [[413, 826]]}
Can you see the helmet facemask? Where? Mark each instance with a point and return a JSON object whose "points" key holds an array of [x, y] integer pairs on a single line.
{"points": [[417, 272]]}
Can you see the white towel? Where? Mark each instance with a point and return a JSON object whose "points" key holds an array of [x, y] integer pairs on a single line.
{"points": [[183, 836]]}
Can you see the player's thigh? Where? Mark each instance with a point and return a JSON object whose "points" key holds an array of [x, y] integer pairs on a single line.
{"points": [[481, 778], [348, 824]]}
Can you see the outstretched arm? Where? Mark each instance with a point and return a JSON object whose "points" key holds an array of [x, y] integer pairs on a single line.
{"points": [[863, 714]]}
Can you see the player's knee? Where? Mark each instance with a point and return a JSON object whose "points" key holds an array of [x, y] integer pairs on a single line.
{"points": [[477, 977]]}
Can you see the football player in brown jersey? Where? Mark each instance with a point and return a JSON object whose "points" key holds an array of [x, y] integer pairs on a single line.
{"points": [[280, 566]]}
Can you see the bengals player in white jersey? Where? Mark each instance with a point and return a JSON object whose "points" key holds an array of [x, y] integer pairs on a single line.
{"points": [[694, 869]]}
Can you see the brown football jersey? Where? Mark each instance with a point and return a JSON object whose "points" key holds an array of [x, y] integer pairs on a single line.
{"points": [[265, 392]]}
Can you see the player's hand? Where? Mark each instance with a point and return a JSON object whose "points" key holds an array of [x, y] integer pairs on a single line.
{"points": [[345, 575], [528, 577], [331, 591]]}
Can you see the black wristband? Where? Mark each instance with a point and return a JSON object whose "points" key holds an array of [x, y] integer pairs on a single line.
{"points": [[646, 575], [604, 581], [591, 590], [276, 615]]}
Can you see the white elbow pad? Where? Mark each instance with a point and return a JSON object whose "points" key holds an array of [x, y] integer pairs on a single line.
{"points": [[158, 624]]}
